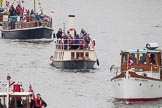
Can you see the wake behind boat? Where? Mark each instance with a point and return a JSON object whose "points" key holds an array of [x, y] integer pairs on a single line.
{"points": [[74, 51], [26, 24], [140, 76]]}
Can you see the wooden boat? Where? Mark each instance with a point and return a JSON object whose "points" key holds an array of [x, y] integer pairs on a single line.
{"points": [[140, 76], [69, 54], [28, 26], [16, 97]]}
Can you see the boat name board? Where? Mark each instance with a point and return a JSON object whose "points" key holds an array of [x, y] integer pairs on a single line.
{"points": [[136, 79]]}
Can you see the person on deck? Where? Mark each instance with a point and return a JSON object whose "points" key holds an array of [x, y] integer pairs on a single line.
{"points": [[82, 33], [59, 34], [38, 102], [152, 59], [12, 10], [18, 10], [130, 61]]}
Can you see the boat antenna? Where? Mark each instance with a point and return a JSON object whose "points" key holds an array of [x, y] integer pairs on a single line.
{"points": [[64, 28]]}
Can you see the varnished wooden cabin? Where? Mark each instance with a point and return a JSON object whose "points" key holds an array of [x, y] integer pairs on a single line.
{"points": [[146, 60]]}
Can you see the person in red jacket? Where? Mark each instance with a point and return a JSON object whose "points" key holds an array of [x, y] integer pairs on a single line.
{"points": [[38, 102]]}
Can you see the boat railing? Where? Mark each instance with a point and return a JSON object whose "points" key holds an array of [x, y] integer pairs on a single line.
{"points": [[74, 44], [115, 71], [20, 25]]}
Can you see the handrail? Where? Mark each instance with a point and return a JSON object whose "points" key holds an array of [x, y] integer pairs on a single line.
{"points": [[20, 25], [116, 70], [71, 44]]}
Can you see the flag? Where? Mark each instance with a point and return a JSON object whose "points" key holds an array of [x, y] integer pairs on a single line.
{"points": [[52, 12], [30, 88], [11, 83], [4, 85]]}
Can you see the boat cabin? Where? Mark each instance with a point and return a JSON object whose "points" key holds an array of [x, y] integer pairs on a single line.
{"points": [[16, 98], [148, 59], [16, 22]]}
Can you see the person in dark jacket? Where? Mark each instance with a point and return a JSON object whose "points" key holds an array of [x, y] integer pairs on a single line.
{"points": [[59, 34], [38, 102]]}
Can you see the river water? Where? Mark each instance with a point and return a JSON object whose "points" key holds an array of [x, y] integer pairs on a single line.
{"points": [[115, 24]]}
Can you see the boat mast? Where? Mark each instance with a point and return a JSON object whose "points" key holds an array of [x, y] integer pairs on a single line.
{"points": [[8, 85], [34, 7]]}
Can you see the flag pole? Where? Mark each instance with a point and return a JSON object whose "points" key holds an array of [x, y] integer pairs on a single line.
{"points": [[8, 85], [34, 7]]}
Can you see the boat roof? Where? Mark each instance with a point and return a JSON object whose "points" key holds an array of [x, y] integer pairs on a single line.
{"points": [[140, 51], [16, 93]]}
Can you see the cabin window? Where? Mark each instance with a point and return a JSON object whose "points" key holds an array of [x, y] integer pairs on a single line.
{"points": [[124, 58], [59, 55], [133, 58], [152, 59], [80, 55], [56, 53], [62, 55], [72, 55], [87, 55], [142, 58]]}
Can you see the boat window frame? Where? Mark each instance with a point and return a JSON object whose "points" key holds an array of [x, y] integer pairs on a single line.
{"points": [[72, 55], [124, 58], [155, 57], [78, 55], [142, 58], [86, 55]]}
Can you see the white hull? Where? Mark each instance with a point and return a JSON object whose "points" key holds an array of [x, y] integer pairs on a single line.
{"points": [[137, 89]]}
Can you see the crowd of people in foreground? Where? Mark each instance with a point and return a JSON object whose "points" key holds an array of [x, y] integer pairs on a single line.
{"points": [[78, 41]]}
